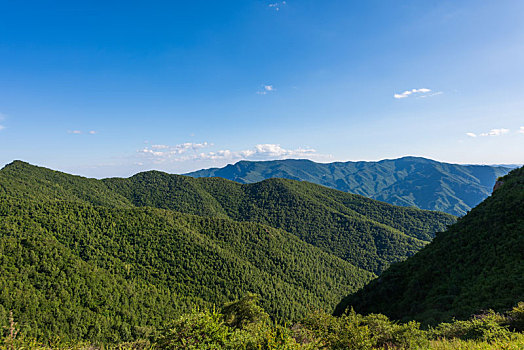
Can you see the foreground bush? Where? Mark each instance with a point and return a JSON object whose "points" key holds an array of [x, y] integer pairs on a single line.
{"points": [[241, 325], [515, 317], [353, 331], [487, 327], [244, 325]]}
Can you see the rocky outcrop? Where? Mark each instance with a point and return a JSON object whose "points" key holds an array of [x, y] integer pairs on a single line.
{"points": [[498, 184]]}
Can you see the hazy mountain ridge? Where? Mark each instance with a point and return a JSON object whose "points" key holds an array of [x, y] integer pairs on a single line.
{"points": [[477, 264], [408, 181]]}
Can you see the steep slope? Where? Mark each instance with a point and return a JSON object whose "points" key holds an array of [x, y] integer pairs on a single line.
{"points": [[166, 258], [408, 181], [367, 233], [52, 292], [477, 264], [22, 180]]}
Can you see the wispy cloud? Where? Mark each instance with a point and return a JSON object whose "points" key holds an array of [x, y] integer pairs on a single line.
{"points": [[422, 92], [79, 132], [266, 89], [277, 5], [166, 152], [188, 152], [492, 132], [260, 152], [495, 132], [431, 94], [2, 117], [521, 130]]}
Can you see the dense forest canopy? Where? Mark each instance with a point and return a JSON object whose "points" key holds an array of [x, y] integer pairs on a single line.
{"points": [[111, 260], [407, 181], [115, 260], [477, 264], [369, 234]]}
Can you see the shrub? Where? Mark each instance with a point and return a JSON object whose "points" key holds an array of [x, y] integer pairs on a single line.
{"points": [[487, 327], [515, 317], [245, 311], [390, 334], [344, 332], [197, 330]]}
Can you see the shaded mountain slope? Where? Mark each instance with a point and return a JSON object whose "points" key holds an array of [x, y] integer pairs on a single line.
{"points": [[477, 264], [408, 181]]}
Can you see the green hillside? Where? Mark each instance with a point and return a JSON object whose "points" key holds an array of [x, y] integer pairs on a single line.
{"points": [[408, 181], [111, 260], [52, 292], [22, 180], [367, 233], [117, 259], [477, 264], [61, 257]]}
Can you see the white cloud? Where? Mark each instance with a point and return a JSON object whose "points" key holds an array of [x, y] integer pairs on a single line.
{"points": [[187, 152], [260, 152], [414, 91], [431, 95], [79, 132], [492, 132], [165, 152], [2, 117], [521, 130], [277, 5], [266, 90], [495, 132], [162, 146]]}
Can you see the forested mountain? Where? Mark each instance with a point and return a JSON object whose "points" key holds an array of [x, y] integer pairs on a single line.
{"points": [[477, 264], [112, 259], [78, 270], [367, 233], [408, 181], [25, 181]]}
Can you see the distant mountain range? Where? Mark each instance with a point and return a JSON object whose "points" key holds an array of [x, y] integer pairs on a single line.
{"points": [[407, 181], [477, 264]]}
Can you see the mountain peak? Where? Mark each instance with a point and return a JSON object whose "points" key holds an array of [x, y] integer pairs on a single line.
{"points": [[407, 181], [17, 164]]}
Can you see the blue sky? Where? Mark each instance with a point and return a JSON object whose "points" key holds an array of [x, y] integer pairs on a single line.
{"points": [[110, 88]]}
